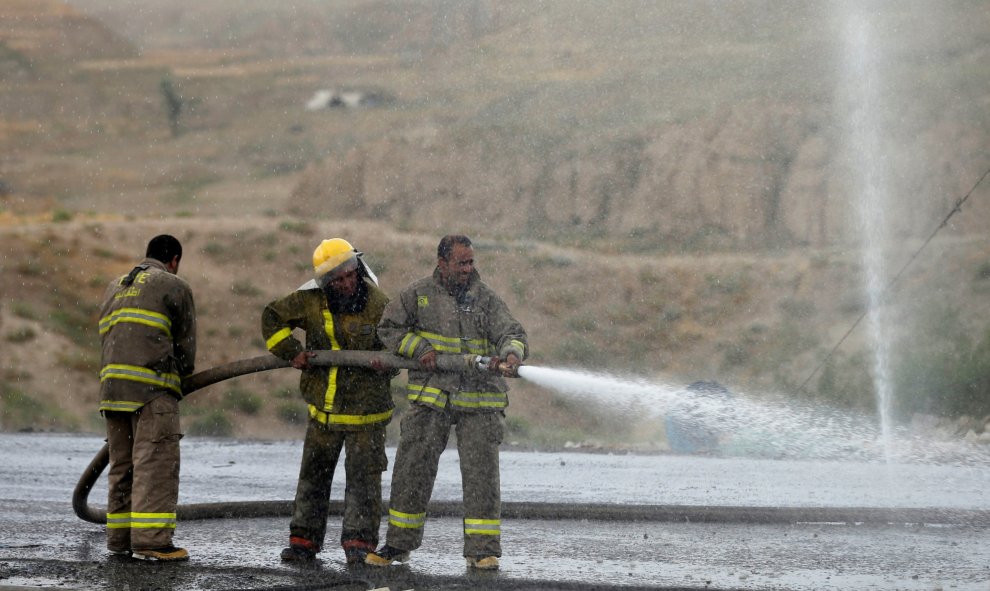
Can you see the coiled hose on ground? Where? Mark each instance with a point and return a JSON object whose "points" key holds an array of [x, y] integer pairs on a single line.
{"points": [[510, 510]]}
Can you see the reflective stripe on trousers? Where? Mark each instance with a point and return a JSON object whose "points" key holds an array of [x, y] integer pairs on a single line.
{"points": [[406, 520], [483, 527], [424, 434], [142, 520], [143, 476]]}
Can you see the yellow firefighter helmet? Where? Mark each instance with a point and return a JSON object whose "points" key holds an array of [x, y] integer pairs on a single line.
{"points": [[331, 255]]}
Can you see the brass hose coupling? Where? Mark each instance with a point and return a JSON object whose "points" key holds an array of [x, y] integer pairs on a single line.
{"points": [[483, 363]]}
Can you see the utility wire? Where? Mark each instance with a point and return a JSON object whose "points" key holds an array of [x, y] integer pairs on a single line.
{"points": [[957, 207]]}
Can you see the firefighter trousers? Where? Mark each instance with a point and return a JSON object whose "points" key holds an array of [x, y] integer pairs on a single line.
{"points": [[423, 437], [143, 480], [364, 462]]}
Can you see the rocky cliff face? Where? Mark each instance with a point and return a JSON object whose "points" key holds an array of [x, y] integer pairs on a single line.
{"points": [[752, 175], [657, 127]]}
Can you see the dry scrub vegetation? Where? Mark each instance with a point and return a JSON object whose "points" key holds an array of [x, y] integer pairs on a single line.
{"points": [[750, 322]]}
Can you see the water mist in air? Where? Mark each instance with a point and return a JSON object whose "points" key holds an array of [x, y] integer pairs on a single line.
{"points": [[746, 426]]}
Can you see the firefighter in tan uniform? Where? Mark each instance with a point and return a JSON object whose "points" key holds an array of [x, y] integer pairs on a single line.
{"points": [[349, 407], [148, 331], [452, 311]]}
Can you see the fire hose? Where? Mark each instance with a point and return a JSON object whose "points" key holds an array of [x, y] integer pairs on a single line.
{"points": [[519, 510], [458, 363]]}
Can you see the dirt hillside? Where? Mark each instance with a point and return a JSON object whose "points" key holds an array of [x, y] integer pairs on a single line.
{"points": [[755, 323]]}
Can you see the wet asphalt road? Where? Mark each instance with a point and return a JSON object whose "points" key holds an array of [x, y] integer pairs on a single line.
{"points": [[43, 544]]}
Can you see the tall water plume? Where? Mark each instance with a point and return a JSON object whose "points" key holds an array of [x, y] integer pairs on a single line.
{"points": [[864, 106]]}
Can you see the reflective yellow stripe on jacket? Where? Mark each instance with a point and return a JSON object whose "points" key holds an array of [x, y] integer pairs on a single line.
{"points": [[445, 344], [337, 419], [442, 344], [437, 398], [426, 395], [480, 400], [278, 337], [324, 415], [137, 316], [120, 405], [332, 376], [134, 373], [407, 347]]}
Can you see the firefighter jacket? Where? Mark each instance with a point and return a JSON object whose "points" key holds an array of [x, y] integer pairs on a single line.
{"points": [[476, 321], [148, 332], [343, 398]]}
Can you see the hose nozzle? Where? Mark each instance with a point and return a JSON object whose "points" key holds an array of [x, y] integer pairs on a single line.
{"points": [[484, 363], [508, 371]]}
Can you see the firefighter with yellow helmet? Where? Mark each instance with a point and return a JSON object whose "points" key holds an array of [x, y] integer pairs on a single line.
{"points": [[349, 407]]}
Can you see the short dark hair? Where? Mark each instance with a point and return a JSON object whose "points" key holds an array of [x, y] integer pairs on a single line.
{"points": [[164, 248], [447, 243]]}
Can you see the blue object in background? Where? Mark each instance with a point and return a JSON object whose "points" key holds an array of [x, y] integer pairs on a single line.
{"points": [[689, 430]]}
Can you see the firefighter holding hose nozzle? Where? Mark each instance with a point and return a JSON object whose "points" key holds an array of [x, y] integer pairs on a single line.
{"points": [[452, 311], [349, 407]]}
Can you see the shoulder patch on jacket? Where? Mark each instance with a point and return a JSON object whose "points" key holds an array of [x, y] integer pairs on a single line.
{"points": [[423, 301]]}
